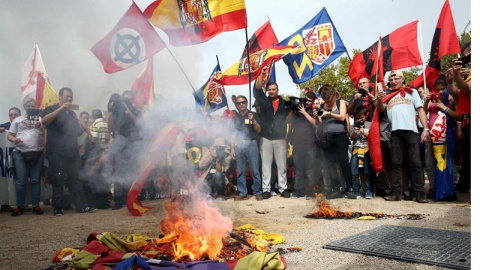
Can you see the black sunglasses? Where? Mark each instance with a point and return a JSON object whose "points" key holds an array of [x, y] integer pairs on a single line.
{"points": [[241, 102]]}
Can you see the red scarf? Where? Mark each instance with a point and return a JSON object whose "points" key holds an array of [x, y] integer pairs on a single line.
{"points": [[374, 132]]}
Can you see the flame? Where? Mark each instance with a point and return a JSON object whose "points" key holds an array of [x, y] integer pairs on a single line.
{"points": [[197, 228], [327, 211]]}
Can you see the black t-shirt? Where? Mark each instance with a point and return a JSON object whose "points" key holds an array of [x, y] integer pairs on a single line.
{"points": [[124, 125], [6, 125], [363, 103], [243, 130], [62, 132], [303, 132]]}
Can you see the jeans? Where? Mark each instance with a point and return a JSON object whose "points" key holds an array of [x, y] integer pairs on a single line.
{"points": [[270, 149], [25, 171], [65, 172], [304, 163], [247, 150], [336, 152], [409, 140], [367, 169]]}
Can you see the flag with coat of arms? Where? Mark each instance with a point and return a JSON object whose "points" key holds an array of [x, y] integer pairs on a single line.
{"points": [[211, 96], [320, 46]]}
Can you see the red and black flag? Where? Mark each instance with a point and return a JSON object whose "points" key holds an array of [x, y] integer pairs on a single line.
{"points": [[263, 38], [399, 50], [444, 42]]}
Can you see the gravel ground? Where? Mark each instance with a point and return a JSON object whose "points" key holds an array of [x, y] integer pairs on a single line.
{"points": [[30, 241]]}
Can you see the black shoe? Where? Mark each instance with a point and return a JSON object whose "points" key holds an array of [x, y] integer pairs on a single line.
{"points": [[334, 195], [407, 196], [87, 210], [285, 194], [266, 195], [419, 197], [58, 212], [117, 206], [393, 197], [17, 211]]}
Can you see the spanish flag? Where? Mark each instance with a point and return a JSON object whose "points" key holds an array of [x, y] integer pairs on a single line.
{"points": [[237, 74], [188, 22], [45, 94], [143, 87]]}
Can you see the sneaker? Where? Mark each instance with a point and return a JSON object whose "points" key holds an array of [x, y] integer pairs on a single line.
{"points": [[334, 195], [298, 195], [87, 210], [368, 194], [351, 194], [58, 212], [240, 198], [419, 197], [266, 195], [285, 194], [37, 210], [17, 211], [273, 193], [393, 197]]}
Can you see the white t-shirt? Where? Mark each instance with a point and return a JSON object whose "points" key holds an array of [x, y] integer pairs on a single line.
{"points": [[402, 111], [30, 132]]}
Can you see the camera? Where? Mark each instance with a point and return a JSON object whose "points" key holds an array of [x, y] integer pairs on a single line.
{"points": [[295, 103], [435, 97], [465, 59], [358, 124], [33, 114], [362, 91], [319, 111]]}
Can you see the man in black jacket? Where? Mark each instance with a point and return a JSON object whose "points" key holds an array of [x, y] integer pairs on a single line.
{"points": [[274, 111]]}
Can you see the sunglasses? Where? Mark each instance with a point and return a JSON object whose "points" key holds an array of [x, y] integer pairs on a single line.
{"points": [[241, 102]]}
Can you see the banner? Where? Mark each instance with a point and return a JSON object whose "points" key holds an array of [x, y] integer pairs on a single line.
{"points": [[188, 22], [320, 46], [130, 42], [211, 96], [7, 186], [31, 71]]}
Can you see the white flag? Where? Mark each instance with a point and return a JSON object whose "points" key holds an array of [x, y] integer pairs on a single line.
{"points": [[31, 70]]}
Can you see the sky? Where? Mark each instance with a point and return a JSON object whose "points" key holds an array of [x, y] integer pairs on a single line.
{"points": [[66, 30]]}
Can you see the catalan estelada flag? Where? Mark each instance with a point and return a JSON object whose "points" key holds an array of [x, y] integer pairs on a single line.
{"points": [[211, 96], [237, 74], [45, 94], [159, 145], [320, 46], [188, 22]]}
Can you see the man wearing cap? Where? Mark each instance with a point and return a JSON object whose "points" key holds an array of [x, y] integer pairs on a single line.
{"points": [[215, 164], [273, 144], [401, 106], [244, 147]]}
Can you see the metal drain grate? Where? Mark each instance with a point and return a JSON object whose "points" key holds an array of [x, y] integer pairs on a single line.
{"points": [[429, 246]]}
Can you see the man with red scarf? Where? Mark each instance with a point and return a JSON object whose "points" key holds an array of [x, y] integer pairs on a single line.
{"points": [[402, 105]]}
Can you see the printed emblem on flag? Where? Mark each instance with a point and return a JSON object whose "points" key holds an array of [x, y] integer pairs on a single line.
{"points": [[193, 11], [319, 42], [256, 60], [127, 48], [214, 91]]}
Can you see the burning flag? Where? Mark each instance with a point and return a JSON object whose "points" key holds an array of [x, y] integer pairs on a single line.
{"points": [[31, 71]]}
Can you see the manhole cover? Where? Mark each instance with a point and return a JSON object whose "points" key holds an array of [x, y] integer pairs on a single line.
{"points": [[438, 247]]}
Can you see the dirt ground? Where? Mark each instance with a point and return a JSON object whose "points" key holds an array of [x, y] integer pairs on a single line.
{"points": [[30, 241]]}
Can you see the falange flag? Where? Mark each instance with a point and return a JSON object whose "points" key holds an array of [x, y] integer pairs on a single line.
{"points": [[320, 46], [130, 42]]}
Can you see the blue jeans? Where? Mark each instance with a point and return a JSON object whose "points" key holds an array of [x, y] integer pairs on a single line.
{"points": [[367, 169], [25, 171], [304, 162], [248, 150]]}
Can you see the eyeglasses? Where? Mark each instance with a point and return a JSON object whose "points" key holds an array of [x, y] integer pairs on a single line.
{"points": [[241, 102]]}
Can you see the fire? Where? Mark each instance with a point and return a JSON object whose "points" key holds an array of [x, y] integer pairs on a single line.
{"points": [[327, 211], [197, 228]]}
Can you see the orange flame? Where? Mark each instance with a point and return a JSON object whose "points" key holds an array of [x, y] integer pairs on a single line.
{"points": [[327, 211], [199, 228]]}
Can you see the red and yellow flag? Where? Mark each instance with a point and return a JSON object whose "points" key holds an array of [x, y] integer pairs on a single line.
{"points": [[237, 74], [45, 94], [188, 22], [143, 87]]}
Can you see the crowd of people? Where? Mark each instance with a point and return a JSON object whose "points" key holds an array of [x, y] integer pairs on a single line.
{"points": [[419, 130]]}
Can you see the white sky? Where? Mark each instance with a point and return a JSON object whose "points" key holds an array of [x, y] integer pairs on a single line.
{"points": [[66, 30]]}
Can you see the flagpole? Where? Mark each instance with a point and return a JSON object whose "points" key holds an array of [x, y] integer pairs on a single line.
{"points": [[379, 47], [174, 58], [223, 86], [420, 40], [249, 71]]}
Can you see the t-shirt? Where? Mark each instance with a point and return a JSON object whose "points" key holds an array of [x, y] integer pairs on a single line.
{"points": [[303, 132], [360, 140], [62, 132], [30, 131], [402, 111], [244, 130]]}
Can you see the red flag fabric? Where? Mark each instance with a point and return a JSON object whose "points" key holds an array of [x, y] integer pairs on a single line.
{"points": [[399, 50], [130, 42], [143, 87], [445, 41], [263, 38], [45, 95], [188, 22], [32, 70], [158, 146], [237, 74]]}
